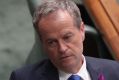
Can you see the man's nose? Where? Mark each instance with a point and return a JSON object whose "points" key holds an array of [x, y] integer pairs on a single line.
{"points": [[62, 47]]}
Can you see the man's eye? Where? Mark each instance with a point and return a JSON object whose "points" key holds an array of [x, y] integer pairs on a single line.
{"points": [[68, 37], [52, 43]]}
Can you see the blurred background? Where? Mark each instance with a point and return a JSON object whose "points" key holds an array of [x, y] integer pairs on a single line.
{"points": [[16, 35]]}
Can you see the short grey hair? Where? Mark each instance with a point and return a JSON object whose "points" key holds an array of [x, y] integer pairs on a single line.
{"points": [[49, 6]]}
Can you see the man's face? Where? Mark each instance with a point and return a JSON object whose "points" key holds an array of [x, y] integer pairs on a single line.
{"points": [[62, 40]]}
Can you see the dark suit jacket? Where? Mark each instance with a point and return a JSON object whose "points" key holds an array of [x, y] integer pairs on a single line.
{"points": [[99, 69]]}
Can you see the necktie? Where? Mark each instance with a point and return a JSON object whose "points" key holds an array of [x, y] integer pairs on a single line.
{"points": [[74, 77]]}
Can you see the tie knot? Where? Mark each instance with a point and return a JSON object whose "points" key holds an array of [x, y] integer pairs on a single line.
{"points": [[74, 77]]}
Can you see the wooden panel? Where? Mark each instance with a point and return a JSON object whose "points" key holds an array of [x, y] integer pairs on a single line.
{"points": [[111, 8], [105, 15]]}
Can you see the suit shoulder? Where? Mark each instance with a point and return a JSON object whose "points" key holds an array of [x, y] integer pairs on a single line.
{"points": [[109, 68], [28, 70], [98, 62]]}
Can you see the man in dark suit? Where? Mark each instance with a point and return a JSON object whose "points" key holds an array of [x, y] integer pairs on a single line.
{"points": [[61, 31]]}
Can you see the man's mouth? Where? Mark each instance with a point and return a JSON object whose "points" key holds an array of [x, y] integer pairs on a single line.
{"points": [[65, 57]]}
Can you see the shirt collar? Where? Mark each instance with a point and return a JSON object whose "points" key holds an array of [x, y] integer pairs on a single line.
{"points": [[83, 73]]}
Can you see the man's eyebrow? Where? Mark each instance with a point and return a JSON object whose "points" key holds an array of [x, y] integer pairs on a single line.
{"points": [[66, 33], [50, 39]]}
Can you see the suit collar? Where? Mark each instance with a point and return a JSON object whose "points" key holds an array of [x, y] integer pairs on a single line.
{"points": [[51, 72], [94, 72]]}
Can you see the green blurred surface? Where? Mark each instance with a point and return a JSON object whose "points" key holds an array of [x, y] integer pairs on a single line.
{"points": [[16, 35]]}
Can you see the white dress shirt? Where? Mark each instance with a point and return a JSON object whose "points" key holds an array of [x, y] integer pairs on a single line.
{"points": [[83, 73]]}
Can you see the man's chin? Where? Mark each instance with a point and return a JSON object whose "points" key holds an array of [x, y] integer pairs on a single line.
{"points": [[67, 64]]}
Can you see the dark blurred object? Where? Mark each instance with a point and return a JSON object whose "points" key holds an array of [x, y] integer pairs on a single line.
{"points": [[93, 42]]}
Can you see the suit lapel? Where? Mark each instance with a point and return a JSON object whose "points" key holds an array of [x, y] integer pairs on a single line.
{"points": [[93, 73]]}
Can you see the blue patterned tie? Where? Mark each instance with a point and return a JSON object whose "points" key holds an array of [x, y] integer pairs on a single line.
{"points": [[74, 77]]}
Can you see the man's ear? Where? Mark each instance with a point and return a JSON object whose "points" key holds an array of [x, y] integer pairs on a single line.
{"points": [[82, 30]]}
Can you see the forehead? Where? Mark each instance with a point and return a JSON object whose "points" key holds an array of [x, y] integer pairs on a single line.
{"points": [[56, 20]]}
